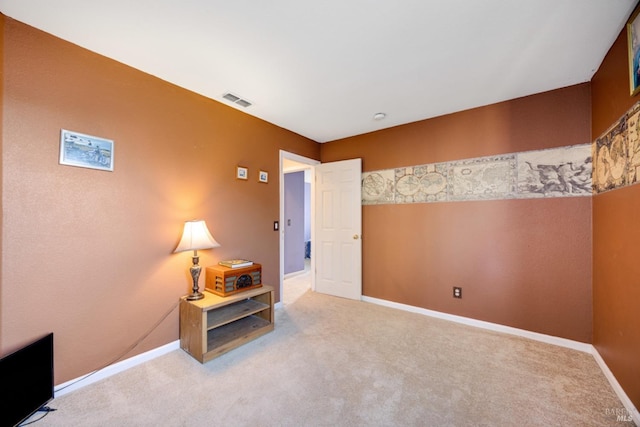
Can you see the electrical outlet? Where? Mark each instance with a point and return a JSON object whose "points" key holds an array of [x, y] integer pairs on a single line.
{"points": [[457, 292]]}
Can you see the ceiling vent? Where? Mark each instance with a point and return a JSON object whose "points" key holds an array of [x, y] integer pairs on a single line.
{"points": [[236, 100]]}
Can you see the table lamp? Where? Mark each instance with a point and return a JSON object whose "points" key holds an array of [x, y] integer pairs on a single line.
{"points": [[195, 236]]}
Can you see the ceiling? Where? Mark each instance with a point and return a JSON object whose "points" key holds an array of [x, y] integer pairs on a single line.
{"points": [[322, 69]]}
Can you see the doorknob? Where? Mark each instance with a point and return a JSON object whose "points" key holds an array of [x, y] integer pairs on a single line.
{"points": [[355, 237]]}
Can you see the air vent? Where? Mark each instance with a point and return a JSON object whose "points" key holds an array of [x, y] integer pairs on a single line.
{"points": [[236, 100], [230, 97], [243, 102]]}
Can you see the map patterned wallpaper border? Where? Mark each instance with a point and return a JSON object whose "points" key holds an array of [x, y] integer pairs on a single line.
{"points": [[557, 172], [616, 153], [610, 162]]}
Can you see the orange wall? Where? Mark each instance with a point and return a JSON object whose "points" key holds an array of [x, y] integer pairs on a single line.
{"points": [[87, 254], [616, 270], [521, 263], [1, 162]]}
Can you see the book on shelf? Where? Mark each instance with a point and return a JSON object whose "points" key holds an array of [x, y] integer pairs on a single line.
{"points": [[236, 263]]}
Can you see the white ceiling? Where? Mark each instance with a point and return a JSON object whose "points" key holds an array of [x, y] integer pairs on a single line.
{"points": [[322, 69]]}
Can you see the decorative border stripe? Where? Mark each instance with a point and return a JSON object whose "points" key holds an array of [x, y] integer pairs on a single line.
{"points": [[556, 172], [616, 153], [610, 162]]}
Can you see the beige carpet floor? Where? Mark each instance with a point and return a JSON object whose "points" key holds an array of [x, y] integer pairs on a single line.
{"points": [[337, 362]]}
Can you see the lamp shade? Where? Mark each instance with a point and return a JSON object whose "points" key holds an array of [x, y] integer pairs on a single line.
{"points": [[196, 236]]}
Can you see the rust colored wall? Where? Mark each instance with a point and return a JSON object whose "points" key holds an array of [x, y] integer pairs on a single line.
{"points": [[552, 119], [521, 263], [87, 254], [1, 150], [616, 271], [610, 97]]}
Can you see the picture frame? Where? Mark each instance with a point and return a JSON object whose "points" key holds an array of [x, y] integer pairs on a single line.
{"points": [[242, 173], [263, 177], [86, 151], [633, 46]]}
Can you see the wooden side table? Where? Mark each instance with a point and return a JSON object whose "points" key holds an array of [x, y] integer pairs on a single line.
{"points": [[214, 325]]}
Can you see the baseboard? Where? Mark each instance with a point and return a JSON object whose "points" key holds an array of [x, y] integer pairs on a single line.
{"points": [[549, 339], [631, 409], [92, 377]]}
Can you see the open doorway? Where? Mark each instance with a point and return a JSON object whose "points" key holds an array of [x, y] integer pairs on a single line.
{"points": [[296, 225]]}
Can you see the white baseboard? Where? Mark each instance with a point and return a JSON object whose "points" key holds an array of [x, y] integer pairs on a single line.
{"points": [[617, 388], [92, 377], [549, 339]]}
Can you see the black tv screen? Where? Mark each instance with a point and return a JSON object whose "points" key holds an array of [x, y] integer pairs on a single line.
{"points": [[26, 381]]}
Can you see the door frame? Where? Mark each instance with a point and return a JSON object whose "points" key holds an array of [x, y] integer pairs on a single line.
{"points": [[306, 163]]}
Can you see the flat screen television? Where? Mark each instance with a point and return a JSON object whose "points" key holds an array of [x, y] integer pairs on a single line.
{"points": [[26, 381]]}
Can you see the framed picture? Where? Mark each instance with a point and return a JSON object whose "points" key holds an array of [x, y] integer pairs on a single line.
{"points": [[263, 176], [86, 151], [242, 172], [633, 45]]}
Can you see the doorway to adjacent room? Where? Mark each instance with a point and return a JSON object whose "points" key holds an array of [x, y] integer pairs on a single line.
{"points": [[296, 225]]}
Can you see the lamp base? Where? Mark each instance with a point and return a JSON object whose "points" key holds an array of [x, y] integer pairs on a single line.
{"points": [[195, 296], [195, 274]]}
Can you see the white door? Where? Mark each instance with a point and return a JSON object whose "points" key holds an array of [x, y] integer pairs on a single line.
{"points": [[338, 229]]}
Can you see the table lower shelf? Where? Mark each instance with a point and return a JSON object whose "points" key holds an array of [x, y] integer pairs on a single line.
{"points": [[233, 312], [224, 338]]}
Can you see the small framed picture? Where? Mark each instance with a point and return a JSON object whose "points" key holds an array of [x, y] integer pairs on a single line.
{"points": [[242, 172], [633, 47], [85, 151], [263, 176]]}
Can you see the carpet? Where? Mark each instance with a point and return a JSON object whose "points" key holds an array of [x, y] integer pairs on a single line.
{"points": [[337, 362]]}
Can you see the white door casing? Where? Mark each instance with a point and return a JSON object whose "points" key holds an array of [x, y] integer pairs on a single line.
{"points": [[338, 229]]}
